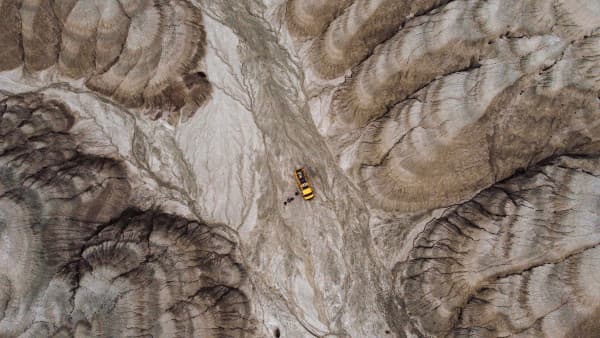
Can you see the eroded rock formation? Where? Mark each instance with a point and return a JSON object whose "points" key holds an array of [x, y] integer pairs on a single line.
{"points": [[436, 110], [430, 104], [78, 260], [453, 147], [141, 53], [516, 259]]}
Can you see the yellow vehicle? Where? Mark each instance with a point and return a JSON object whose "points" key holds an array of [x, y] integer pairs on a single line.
{"points": [[303, 185]]}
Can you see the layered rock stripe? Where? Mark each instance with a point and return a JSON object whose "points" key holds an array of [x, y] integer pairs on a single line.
{"points": [[74, 247], [142, 54]]}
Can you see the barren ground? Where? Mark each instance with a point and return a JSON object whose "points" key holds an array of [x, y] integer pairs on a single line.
{"points": [[146, 149]]}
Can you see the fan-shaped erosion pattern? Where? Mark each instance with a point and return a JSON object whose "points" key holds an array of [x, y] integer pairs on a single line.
{"points": [[520, 258], [472, 128], [453, 147], [143, 54], [443, 98], [78, 260]]}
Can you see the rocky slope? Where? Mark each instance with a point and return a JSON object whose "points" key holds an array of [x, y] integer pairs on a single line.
{"points": [[147, 148]]}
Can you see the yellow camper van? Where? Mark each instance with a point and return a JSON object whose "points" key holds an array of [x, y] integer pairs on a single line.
{"points": [[303, 184]]}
